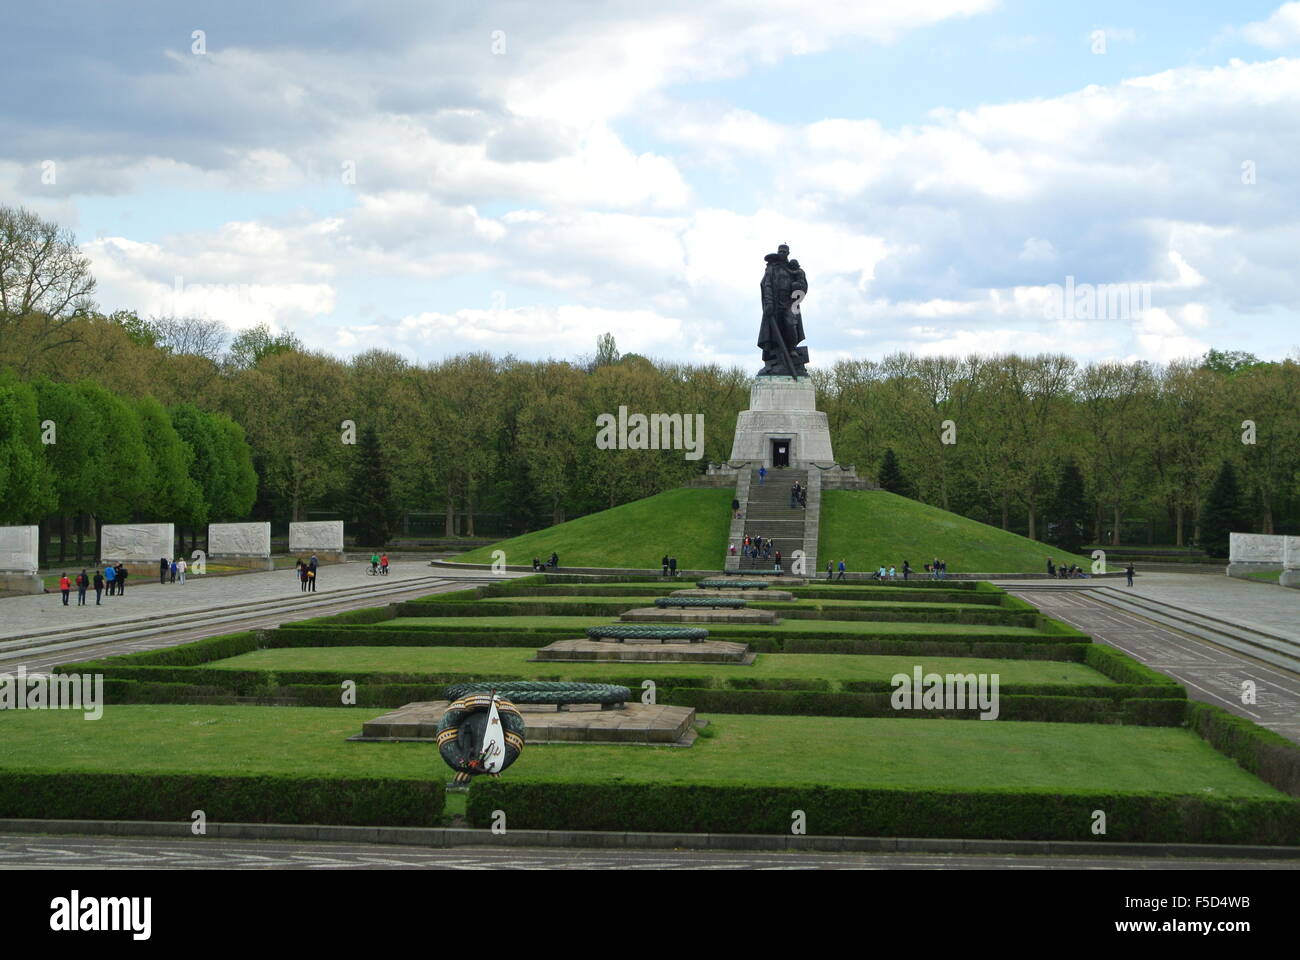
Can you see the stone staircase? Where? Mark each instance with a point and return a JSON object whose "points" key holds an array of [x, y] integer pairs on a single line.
{"points": [[767, 513]]}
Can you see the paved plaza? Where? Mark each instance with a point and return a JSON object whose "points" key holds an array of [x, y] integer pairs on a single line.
{"points": [[145, 597]]}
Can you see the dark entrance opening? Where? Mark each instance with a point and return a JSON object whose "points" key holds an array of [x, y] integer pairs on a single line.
{"points": [[780, 453]]}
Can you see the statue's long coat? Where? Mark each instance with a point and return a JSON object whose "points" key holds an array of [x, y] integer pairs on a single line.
{"points": [[776, 287]]}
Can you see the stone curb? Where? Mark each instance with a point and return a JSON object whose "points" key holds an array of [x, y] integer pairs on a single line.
{"points": [[464, 836], [691, 574]]}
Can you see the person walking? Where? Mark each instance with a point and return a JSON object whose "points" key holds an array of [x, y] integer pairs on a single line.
{"points": [[672, 566], [302, 575], [110, 578], [383, 564], [162, 569], [665, 563], [122, 574], [830, 569], [1051, 568], [65, 585], [311, 574], [841, 576], [762, 475], [83, 581], [374, 564], [181, 567], [99, 587], [1128, 573], [777, 557], [173, 572], [907, 569]]}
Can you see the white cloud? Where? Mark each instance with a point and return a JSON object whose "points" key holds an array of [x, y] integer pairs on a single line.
{"points": [[1281, 29]]}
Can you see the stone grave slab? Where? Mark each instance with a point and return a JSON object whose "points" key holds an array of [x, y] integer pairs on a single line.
{"points": [[633, 723], [647, 651]]}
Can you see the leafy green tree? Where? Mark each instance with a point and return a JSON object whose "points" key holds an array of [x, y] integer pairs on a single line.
{"points": [[1228, 362], [26, 487], [238, 480], [1069, 509], [891, 475], [369, 493], [257, 343], [173, 493], [1224, 512]]}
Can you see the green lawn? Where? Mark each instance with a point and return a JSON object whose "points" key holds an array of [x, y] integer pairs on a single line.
{"points": [[865, 627], [1265, 576], [515, 662], [690, 524], [866, 528], [958, 754], [762, 604]]}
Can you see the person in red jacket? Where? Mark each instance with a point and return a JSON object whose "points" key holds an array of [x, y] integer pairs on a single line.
{"points": [[383, 564], [65, 585]]}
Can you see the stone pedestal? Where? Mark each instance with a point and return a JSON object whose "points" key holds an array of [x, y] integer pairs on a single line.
{"points": [[1290, 563], [241, 545], [694, 615], [138, 547], [635, 723], [1255, 552], [782, 410], [647, 651], [19, 552], [321, 537]]}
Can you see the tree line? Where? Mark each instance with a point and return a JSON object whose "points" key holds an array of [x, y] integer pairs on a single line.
{"points": [[497, 446]]}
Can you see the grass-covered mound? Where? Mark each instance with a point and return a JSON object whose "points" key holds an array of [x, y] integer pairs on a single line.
{"points": [[688, 524], [867, 528]]}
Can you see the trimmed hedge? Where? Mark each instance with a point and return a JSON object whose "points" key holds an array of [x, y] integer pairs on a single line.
{"points": [[1269, 756], [1004, 618], [903, 595], [1041, 708], [227, 799], [834, 811], [1107, 691]]}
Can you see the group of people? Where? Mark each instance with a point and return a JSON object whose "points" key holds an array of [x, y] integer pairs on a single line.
{"points": [[938, 569], [758, 548], [112, 577], [379, 564], [173, 568], [307, 574], [798, 496], [552, 564], [670, 566], [891, 572], [1063, 572]]}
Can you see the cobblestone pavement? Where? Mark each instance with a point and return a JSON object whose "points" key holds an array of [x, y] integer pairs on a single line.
{"points": [[126, 853]]}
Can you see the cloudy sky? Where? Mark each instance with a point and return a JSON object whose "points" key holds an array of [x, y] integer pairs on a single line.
{"points": [[519, 177]]}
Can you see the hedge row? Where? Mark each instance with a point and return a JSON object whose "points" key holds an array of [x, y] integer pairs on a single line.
{"points": [[1123, 669], [186, 655], [901, 595], [1269, 756], [1107, 691], [1165, 712], [985, 617], [227, 799], [834, 811]]}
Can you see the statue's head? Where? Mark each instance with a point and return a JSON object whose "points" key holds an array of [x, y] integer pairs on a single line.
{"points": [[784, 250], [794, 264]]}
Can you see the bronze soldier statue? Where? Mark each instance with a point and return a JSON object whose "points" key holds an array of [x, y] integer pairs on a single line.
{"points": [[783, 286]]}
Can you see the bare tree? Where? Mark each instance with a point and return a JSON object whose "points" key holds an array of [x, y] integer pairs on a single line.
{"points": [[42, 270], [197, 336]]}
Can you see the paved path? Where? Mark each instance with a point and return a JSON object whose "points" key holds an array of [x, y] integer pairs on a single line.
{"points": [[1264, 606], [165, 615], [24, 616], [1210, 673], [19, 852]]}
